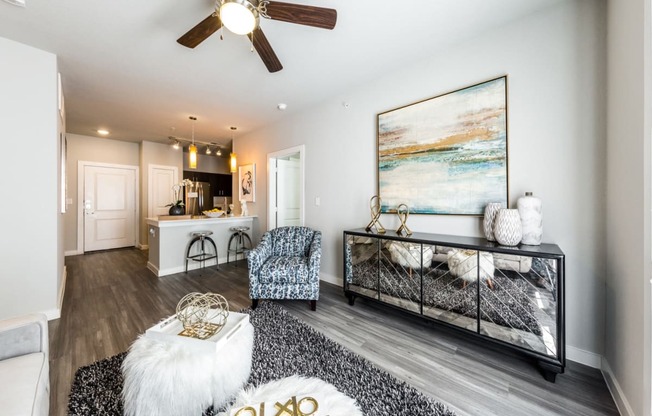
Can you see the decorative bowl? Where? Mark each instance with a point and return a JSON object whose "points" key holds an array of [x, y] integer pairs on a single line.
{"points": [[213, 214]]}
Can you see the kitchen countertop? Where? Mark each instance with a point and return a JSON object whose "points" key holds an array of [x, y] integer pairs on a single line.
{"points": [[154, 221]]}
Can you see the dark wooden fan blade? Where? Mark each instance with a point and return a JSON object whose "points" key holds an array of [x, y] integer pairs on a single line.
{"points": [[302, 15], [264, 49], [199, 33]]}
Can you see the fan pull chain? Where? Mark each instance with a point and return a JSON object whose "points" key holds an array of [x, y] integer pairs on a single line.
{"points": [[252, 42]]}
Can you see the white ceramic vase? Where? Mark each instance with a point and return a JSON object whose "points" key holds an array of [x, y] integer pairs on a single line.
{"points": [[490, 212], [507, 227], [529, 208]]}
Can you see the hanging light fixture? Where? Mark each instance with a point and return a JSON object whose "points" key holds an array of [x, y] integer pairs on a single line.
{"points": [[208, 150], [176, 145], [192, 149], [218, 152], [233, 161], [239, 16]]}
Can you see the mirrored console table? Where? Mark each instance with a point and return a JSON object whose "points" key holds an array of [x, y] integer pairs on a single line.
{"points": [[512, 297]]}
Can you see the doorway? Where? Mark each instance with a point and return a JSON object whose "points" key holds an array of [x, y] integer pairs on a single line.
{"points": [[107, 214], [286, 200], [161, 180]]}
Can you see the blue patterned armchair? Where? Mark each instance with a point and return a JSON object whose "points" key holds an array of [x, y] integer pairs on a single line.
{"points": [[285, 265]]}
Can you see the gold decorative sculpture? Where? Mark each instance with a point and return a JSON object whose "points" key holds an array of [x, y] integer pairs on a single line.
{"points": [[403, 211], [374, 204], [202, 314]]}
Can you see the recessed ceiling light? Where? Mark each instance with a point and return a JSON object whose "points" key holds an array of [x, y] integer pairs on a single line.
{"points": [[282, 106], [20, 3], [103, 132]]}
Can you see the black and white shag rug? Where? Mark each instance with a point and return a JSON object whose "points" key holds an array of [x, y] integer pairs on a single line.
{"points": [[283, 346], [507, 304]]}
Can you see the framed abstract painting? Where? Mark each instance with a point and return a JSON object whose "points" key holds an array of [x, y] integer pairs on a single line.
{"points": [[247, 183], [447, 154]]}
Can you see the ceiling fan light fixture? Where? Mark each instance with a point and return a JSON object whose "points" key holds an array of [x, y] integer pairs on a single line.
{"points": [[239, 16], [19, 3]]}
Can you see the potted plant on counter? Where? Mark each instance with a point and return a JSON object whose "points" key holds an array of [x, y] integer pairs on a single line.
{"points": [[178, 207]]}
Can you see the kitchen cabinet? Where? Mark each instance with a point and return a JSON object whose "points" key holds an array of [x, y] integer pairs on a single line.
{"points": [[221, 184]]}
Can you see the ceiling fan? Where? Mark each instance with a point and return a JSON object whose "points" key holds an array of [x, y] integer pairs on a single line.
{"points": [[242, 17]]}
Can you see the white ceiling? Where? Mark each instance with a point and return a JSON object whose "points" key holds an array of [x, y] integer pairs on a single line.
{"points": [[122, 68]]}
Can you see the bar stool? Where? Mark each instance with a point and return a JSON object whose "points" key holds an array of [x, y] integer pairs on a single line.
{"points": [[202, 237], [239, 236]]}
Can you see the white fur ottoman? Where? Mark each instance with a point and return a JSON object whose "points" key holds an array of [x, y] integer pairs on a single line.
{"points": [[330, 401], [409, 255], [464, 264], [169, 378]]}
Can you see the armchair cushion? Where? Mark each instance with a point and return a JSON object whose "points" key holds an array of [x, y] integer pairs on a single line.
{"points": [[24, 366], [25, 385], [23, 335], [284, 269], [291, 241], [285, 265]]}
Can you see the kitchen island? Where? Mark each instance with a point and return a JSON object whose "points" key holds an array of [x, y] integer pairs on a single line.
{"points": [[169, 239]]}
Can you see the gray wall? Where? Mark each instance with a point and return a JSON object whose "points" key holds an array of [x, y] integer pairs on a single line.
{"points": [[90, 149], [31, 259], [102, 150], [627, 365], [555, 64]]}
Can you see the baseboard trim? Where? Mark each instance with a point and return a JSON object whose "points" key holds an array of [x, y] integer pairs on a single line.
{"points": [[62, 289], [192, 265], [153, 269], [72, 253], [581, 356], [52, 314], [326, 277], [616, 391]]}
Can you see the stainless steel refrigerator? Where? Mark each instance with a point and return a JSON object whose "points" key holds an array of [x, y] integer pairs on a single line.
{"points": [[198, 198]]}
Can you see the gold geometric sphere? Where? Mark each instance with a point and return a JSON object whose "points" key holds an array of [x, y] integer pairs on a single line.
{"points": [[202, 314]]}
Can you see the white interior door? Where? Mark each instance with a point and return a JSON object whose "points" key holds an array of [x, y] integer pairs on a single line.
{"points": [[159, 185], [288, 194], [109, 207], [286, 187]]}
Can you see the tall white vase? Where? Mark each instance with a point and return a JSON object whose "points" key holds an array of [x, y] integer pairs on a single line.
{"points": [[490, 212], [507, 227], [529, 208]]}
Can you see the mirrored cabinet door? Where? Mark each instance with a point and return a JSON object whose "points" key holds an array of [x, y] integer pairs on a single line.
{"points": [[510, 295]]}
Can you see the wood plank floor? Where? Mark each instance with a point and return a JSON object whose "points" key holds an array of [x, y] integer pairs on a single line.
{"points": [[111, 298]]}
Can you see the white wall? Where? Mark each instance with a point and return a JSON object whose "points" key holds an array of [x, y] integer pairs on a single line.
{"points": [[91, 149], [30, 260], [555, 64], [627, 346]]}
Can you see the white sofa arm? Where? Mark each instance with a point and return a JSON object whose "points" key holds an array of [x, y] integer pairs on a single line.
{"points": [[23, 335]]}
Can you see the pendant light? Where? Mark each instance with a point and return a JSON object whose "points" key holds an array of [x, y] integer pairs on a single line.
{"points": [[233, 161], [192, 149]]}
